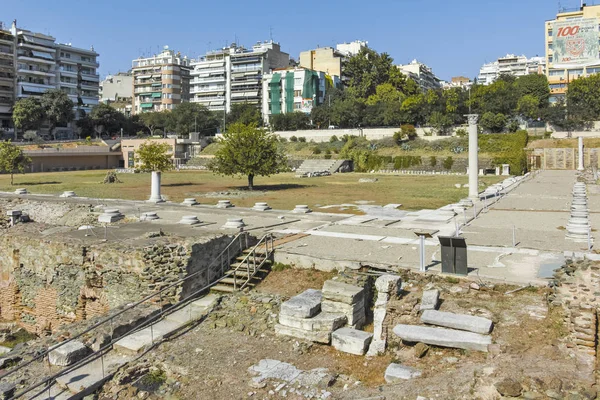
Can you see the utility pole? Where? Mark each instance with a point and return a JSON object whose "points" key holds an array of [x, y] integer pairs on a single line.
{"points": [[567, 107], [329, 112]]}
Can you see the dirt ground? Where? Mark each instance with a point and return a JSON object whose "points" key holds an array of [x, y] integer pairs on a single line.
{"points": [[211, 361]]}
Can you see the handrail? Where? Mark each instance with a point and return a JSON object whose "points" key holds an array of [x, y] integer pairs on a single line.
{"points": [[238, 238], [265, 240]]}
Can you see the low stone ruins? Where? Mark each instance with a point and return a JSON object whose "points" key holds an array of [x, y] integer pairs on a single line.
{"points": [[578, 228]]}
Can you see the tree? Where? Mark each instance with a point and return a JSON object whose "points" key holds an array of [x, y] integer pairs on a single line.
{"points": [[12, 159], [440, 122], [244, 113], [528, 106], [535, 85], [154, 120], [494, 123], [28, 114], [153, 156], [106, 119], [249, 151], [58, 108], [584, 98], [191, 117], [290, 121]]}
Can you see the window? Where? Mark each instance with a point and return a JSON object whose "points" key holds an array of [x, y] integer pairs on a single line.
{"points": [[594, 70], [131, 157], [549, 59], [557, 72], [297, 106], [578, 71], [550, 32], [558, 86], [297, 93]]}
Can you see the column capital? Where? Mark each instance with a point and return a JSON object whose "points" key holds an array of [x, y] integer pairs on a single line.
{"points": [[472, 118]]}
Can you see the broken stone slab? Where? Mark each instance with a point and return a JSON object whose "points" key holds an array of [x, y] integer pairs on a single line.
{"points": [[68, 353], [457, 321], [351, 341], [320, 322], [305, 305], [224, 204], [7, 390], [312, 336], [430, 299], [4, 350], [68, 193], [189, 201], [387, 284], [234, 223], [443, 337], [110, 215], [398, 372], [301, 209], [354, 312], [342, 292]]}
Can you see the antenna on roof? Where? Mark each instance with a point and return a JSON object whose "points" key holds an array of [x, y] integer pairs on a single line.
{"points": [[271, 33]]}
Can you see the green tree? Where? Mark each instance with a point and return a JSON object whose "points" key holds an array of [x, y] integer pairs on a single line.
{"points": [[584, 98], [12, 159], [106, 119], [535, 85], [414, 109], [494, 123], [248, 151], [290, 121], [528, 106], [154, 120], [440, 122], [191, 117], [28, 114], [154, 156], [58, 108], [244, 113]]}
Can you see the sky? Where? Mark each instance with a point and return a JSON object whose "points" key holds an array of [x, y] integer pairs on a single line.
{"points": [[453, 37]]}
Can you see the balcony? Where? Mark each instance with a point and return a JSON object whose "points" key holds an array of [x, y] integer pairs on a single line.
{"points": [[68, 84], [36, 71], [91, 77], [89, 85], [207, 80], [3, 40], [92, 63], [36, 47]]}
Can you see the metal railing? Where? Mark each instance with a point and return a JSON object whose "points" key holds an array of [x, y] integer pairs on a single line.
{"points": [[249, 262], [214, 268]]}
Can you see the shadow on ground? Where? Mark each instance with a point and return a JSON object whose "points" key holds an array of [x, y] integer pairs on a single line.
{"points": [[37, 183], [272, 188]]}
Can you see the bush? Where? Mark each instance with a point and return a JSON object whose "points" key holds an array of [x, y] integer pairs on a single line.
{"points": [[293, 139], [432, 161], [448, 163], [405, 162], [302, 139], [461, 132], [282, 140], [327, 151], [316, 150], [327, 156], [408, 131], [333, 139]]}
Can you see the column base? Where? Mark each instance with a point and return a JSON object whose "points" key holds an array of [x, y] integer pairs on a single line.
{"points": [[155, 200]]}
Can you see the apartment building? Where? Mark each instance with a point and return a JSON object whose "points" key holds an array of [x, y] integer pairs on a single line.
{"points": [[510, 65], [323, 59], [118, 87], [572, 47], [422, 74], [295, 89], [234, 74], [160, 82], [7, 77], [352, 48]]}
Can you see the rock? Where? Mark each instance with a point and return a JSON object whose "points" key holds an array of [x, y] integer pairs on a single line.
{"points": [[305, 305], [342, 292], [430, 299], [457, 321], [6, 362], [443, 337], [553, 394], [421, 350], [351, 340], [68, 353], [316, 336], [531, 395], [397, 372], [474, 286], [354, 312], [388, 284], [7, 390], [4, 350], [320, 322], [509, 387]]}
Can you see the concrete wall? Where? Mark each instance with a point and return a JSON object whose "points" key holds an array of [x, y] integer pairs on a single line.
{"points": [[62, 162], [323, 135]]}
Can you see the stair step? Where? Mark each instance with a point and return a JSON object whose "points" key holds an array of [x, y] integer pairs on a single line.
{"points": [[136, 342], [222, 288], [244, 273], [259, 257], [245, 266]]}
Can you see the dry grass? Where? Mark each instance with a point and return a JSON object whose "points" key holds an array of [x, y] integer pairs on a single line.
{"points": [[278, 282], [282, 191], [562, 143]]}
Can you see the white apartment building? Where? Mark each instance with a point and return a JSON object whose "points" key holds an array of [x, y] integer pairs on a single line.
{"points": [[160, 82], [118, 87], [352, 48], [422, 74], [511, 65], [234, 74]]}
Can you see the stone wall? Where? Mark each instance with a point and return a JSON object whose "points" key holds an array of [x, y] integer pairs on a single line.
{"points": [[562, 158], [48, 281]]}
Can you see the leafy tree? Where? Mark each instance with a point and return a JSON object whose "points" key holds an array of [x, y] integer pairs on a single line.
{"points": [[528, 106], [244, 113], [535, 85], [154, 120], [58, 108], [12, 159], [28, 114], [494, 123], [153, 156], [85, 126], [347, 113], [106, 119], [440, 122], [249, 151], [584, 98], [30, 135], [290, 121], [191, 117], [414, 108]]}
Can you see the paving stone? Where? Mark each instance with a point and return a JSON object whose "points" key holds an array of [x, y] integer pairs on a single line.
{"points": [[430, 300], [351, 340], [305, 305], [313, 336], [68, 353], [342, 292], [398, 372], [443, 337], [320, 322], [457, 321]]}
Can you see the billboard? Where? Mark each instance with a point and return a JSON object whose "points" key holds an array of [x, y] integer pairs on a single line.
{"points": [[575, 42]]}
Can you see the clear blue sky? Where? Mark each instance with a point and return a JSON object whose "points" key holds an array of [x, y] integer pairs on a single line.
{"points": [[454, 37]]}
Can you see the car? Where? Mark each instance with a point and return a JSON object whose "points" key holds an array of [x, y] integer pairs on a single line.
{"points": [[332, 127]]}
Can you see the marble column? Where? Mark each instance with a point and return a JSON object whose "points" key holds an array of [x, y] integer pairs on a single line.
{"points": [[155, 196], [473, 161], [580, 146]]}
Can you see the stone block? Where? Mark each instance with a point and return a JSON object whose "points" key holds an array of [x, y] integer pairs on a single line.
{"points": [[313, 336], [320, 322], [398, 372], [354, 312], [342, 292], [443, 337], [305, 305], [351, 341], [7, 390], [68, 354], [457, 321], [430, 300], [387, 284]]}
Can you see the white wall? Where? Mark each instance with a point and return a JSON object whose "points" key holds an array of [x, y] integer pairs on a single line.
{"points": [[323, 135]]}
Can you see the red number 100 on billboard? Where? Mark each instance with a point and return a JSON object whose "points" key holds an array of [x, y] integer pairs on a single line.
{"points": [[568, 31]]}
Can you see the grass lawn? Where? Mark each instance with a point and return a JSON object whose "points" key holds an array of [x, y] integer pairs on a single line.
{"points": [[282, 191]]}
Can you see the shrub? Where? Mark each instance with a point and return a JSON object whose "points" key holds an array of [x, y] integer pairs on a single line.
{"points": [[432, 161], [302, 139], [293, 139], [448, 163], [461, 132], [408, 131], [327, 156], [327, 151], [333, 139], [316, 150], [404, 162], [405, 147], [282, 140]]}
